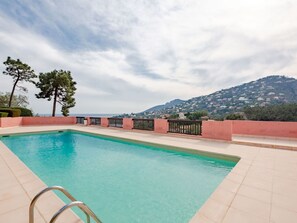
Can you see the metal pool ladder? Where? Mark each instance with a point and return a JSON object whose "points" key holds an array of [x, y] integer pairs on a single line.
{"points": [[88, 212]]}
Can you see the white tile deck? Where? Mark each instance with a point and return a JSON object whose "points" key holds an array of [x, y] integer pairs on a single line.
{"points": [[262, 187], [272, 142]]}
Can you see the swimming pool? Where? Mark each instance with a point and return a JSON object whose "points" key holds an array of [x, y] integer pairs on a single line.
{"points": [[122, 181]]}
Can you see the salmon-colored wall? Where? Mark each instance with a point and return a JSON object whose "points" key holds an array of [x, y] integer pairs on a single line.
{"points": [[265, 128], [161, 125], [127, 123], [10, 122], [104, 122], [217, 130], [49, 120], [210, 129], [88, 120]]}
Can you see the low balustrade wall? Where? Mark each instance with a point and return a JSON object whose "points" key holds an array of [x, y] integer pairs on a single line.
{"points": [[10, 122], [23, 121], [221, 130], [49, 120], [265, 128], [127, 123]]}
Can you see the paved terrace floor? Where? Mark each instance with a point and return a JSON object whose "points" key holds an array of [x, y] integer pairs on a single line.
{"points": [[270, 142], [262, 187]]}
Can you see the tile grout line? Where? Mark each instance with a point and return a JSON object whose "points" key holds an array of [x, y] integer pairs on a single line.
{"points": [[243, 154], [272, 189], [236, 193], [22, 186], [7, 188]]}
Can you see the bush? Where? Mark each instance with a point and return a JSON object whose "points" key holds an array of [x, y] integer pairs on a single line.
{"points": [[174, 116], [282, 112], [12, 112], [196, 115], [3, 114], [24, 111], [234, 117], [8, 111], [16, 112]]}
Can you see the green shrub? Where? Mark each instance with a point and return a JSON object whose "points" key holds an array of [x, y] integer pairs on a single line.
{"points": [[234, 117], [12, 112], [24, 111], [282, 112], [196, 115], [8, 111], [3, 114], [16, 112]]}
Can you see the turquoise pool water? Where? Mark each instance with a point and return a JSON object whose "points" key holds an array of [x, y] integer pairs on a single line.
{"points": [[122, 181]]}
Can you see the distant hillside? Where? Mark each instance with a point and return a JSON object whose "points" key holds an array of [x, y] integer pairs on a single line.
{"points": [[170, 104], [265, 91]]}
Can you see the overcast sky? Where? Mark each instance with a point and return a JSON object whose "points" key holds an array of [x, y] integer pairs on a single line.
{"points": [[129, 55]]}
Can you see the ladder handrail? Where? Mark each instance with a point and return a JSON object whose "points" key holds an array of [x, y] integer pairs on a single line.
{"points": [[59, 188], [79, 204]]}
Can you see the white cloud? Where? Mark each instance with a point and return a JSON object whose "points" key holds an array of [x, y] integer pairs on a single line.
{"points": [[152, 51]]}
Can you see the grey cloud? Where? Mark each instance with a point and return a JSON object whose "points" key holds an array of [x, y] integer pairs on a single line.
{"points": [[136, 54], [140, 67]]}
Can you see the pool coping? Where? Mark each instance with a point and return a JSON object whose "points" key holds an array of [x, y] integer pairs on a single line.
{"points": [[260, 188]]}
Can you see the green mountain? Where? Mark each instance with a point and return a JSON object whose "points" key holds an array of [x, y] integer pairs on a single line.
{"points": [[170, 104], [265, 91]]}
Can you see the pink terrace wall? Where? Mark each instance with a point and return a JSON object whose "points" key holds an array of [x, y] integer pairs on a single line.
{"points": [[88, 120], [49, 120], [127, 123], [221, 130], [10, 122], [262, 128], [161, 125], [104, 122]]}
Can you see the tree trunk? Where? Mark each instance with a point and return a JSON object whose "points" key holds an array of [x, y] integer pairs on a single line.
{"points": [[12, 92], [55, 101]]}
